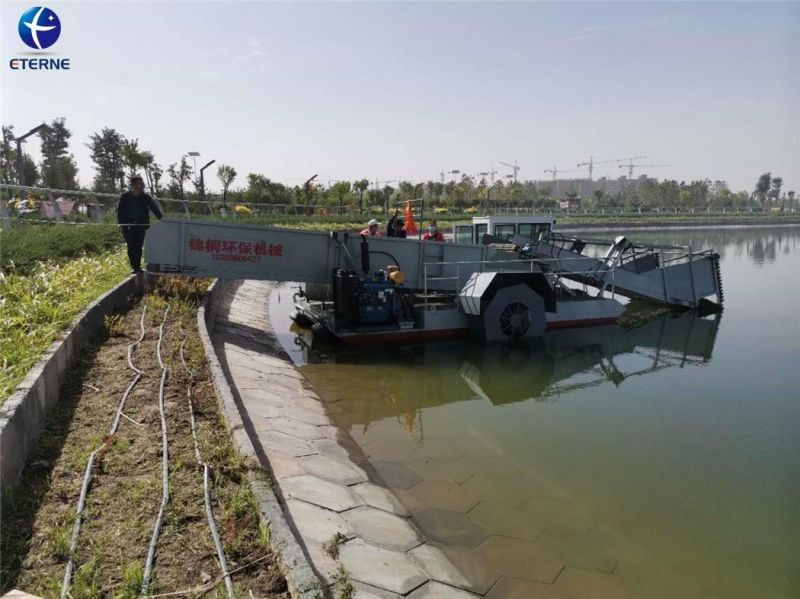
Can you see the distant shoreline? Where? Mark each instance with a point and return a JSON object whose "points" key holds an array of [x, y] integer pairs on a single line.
{"points": [[673, 225]]}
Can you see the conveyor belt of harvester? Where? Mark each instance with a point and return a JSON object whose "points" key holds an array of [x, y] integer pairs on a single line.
{"points": [[670, 275]]}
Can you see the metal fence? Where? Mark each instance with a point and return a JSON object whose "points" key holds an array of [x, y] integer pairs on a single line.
{"points": [[59, 205]]}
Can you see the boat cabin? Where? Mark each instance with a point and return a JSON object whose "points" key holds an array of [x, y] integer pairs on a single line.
{"points": [[503, 228]]}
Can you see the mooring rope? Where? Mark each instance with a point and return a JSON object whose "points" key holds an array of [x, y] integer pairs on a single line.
{"points": [[87, 475], [223, 563], [151, 553]]}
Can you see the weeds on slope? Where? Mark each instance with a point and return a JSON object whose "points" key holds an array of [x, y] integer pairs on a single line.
{"points": [[36, 307], [124, 497]]}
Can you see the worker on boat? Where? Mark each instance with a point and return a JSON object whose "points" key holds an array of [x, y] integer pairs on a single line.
{"points": [[373, 229], [433, 234], [396, 226], [133, 217]]}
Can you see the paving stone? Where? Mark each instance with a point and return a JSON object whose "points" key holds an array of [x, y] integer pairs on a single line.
{"points": [[301, 430], [437, 590], [380, 498], [284, 466], [366, 591], [17, 594], [332, 469], [521, 559], [327, 567], [557, 515], [261, 397], [577, 583], [502, 491], [286, 444], [654, 580], [320, 492], [449, 527], [396, 476], [472, 565], [492, 466], [379, 567], [501, 519], [306, 415], [316, 524], [588, 550], [441, 449], [438, 566], [440, 495], [516, 588], [382, 528], [453, 471], [331, 448], [259, 412]]}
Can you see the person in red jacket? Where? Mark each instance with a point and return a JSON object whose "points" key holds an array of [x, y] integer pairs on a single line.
{"points": [[433, 233], [372, 229]]}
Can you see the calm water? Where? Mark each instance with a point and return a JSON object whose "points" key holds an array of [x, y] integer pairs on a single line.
{"points": [[658, 462]]}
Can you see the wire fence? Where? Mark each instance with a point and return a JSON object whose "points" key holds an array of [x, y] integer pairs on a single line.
{"points": [[41, 205]]}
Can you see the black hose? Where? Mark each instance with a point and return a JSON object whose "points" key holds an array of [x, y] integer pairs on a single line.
{"points": [[396, 261]]}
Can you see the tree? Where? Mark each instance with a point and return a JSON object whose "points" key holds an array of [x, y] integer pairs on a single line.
{"points": [[179, 173], [106, 153], [762, 188], [8, 161], [340, 190], [8, 156], [361, 186], [152, 171], [58, 168], [226, 174], [132, 157], [775, 192], [30, 173]]}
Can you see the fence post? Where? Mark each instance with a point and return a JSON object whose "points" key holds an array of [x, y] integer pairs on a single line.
{"points": [[5, 217], [56, 209], [99, 213]]}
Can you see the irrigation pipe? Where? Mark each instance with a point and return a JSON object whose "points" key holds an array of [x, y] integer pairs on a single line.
{"points": [[223, 564], [87, 475], [151, 552]]}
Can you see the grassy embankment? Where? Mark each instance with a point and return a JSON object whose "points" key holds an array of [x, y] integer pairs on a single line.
{"points": [[124, 497], [48, 275]]}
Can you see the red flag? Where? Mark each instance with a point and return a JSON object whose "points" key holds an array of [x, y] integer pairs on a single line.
{"points": [[411, 227]]}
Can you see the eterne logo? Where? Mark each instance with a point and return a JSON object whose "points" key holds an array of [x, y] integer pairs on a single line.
{"points": [[39, 28]]}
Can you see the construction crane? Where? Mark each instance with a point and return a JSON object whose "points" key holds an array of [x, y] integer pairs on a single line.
{"points": [[592, 162], [514, 166], [629, 162], [489, 173], [555, 170], [630, 166]]}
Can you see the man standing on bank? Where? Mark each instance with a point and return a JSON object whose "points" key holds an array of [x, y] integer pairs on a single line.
{"points": [[133, 217]]}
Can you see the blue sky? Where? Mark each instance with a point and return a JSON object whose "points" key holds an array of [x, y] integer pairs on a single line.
{"points": [[390, 90]]}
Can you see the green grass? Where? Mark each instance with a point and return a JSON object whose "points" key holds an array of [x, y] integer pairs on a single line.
{"points": [[38, 304], [23, 246]]}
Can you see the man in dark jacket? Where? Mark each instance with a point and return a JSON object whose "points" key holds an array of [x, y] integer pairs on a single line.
{"points": [[396, 226], [133, 216]]}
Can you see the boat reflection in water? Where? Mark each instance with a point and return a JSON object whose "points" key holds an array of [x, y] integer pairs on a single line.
{"points": [[390, 381]]}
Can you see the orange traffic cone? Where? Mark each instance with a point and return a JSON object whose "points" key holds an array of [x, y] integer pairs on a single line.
{"points": [[411, 227]]}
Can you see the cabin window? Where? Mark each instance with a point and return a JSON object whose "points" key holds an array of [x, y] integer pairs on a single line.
{"points": [[480, 231], [533, 229], [464, 234], [505, 232]]}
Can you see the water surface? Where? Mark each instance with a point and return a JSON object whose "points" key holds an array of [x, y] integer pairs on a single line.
{"points": [[663, 461]]}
